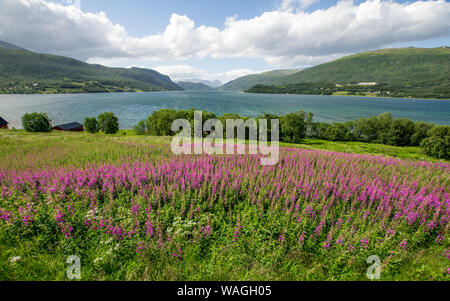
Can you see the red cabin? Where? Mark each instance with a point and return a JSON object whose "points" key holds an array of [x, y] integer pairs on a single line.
{"points": [[70, 127], [3, 123]]}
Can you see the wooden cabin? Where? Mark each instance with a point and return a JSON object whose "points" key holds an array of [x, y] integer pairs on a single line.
{"points": [[69, 127], [3, 123]]}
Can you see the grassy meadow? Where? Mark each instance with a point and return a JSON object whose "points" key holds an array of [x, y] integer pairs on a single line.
{"points": [[132, 210]]}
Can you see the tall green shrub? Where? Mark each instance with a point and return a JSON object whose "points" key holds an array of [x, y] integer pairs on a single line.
{"points": [[36, 122]]}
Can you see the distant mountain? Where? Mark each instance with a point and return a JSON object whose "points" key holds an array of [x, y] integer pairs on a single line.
{"points": [[213, 84], [405, 72], [189, 86], [266, 78], [23, 71], [388, 66], [10, 46]]}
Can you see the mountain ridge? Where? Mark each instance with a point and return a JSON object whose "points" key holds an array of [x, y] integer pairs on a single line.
{"points": [[19, 69], [246, 82], [393, 72], [191, 86]]}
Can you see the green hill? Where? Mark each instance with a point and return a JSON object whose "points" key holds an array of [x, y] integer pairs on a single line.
{"points": [[266, 78], [23, 71], [406, 72], [189, 86], [386, 66]]}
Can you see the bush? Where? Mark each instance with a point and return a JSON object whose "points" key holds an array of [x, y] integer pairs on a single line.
{"points": [[400, 132], [438, 142], [420, 132], [437, 147], [337, 132], [140, 128], [90, 125], [36, 122], [108, 123], [293, 127]]}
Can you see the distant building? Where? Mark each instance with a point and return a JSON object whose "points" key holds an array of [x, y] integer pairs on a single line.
{"points": [[368, 84], [70, 127], [3, 123]]}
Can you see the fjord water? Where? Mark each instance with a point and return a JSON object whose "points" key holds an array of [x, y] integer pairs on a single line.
{"points": [[133, 107]]}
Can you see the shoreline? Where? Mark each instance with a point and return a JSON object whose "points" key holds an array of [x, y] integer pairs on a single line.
{"points": [[362, 96], [227, 91]]}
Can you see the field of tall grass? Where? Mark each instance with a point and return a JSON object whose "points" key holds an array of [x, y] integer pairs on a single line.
{"points": [[132, 210]]}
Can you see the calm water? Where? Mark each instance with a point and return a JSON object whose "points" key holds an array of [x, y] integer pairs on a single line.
{"points": [[133, 107]]}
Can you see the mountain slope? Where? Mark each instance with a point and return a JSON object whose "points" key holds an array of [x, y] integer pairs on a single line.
{"points": [[189, 86], [266, 78], [386, 66], [212, 84], [21, 68], [10, 46]]}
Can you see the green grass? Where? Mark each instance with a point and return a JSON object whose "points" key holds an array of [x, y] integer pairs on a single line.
{"points": [[43, 257]]}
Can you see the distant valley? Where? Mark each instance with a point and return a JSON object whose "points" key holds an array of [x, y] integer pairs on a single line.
{"points": [[26, 72], [266, 78], [191, 86], [405, 72]]}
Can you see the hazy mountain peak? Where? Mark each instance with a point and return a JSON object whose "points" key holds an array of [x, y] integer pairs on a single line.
{"points": [[10, 46]]}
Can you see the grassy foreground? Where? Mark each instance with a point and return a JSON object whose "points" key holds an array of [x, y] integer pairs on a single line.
{"points": [[131, 210]]}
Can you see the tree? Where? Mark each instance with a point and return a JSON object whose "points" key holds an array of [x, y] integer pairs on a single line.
{"points": [[108, 123], [309, 124], [36, 122], [438, 142], [420, 132], [384, 122], [91, 125], [337, 132], [293, 127], [160, 122], [437, 147], [366, 129], [141, 128], [400, 132]]}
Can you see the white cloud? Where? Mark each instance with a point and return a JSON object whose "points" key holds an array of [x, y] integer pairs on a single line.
{"points": [[286, 37], [180, 72], [185, 72]]}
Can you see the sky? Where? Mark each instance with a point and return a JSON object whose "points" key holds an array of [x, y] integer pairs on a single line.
{"points": [[220, 40]]}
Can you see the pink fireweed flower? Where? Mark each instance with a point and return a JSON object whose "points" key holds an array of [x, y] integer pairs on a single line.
{"points": [[404, 244], [177, 254], [207, 231], [301, 239], [281, 238], [350, 248], [140, 247], [237, 232], [364, 243], [440, 238], [149, 229]]}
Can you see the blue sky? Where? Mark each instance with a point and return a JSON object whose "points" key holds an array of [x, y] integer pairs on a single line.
{"points": [[262, 34]]}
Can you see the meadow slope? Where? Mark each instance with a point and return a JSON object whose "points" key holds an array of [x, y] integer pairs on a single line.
{"points": [[131, 210]]}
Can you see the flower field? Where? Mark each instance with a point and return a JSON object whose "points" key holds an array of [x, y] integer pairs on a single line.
{"points": [[131, 210]]}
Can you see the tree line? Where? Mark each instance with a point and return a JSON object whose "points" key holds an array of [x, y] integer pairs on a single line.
{"points": [[107, 123], [294, 127]]}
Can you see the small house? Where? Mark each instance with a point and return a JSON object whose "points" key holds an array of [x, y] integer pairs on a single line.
{"points": [[69, 127], [3, 123]]}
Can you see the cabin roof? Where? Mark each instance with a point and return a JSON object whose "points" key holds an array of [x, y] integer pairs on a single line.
{"points": [[3, 121], [69, 126]]}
